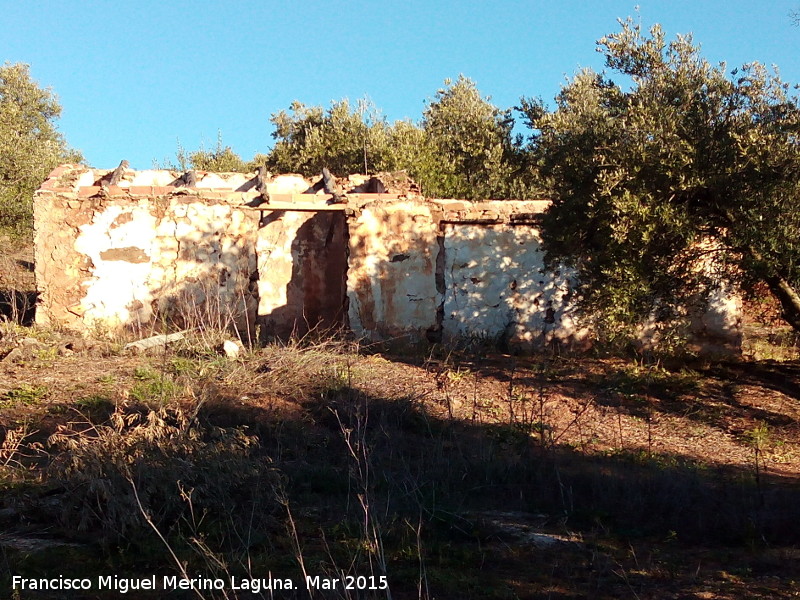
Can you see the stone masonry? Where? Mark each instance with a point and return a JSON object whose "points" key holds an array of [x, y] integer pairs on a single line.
{"points": [[149, 254]]}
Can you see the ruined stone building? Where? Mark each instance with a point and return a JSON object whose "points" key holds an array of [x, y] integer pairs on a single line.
{"points": [[149, 253]]}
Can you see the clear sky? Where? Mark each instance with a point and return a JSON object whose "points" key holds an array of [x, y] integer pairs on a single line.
{"points": [[135, 78]]}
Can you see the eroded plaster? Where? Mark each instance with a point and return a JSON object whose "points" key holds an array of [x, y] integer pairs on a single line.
{"points": [[388, 266]]}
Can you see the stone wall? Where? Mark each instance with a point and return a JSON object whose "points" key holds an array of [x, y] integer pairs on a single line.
{"points": [[139, 258], [497, 288], [391, 279], [452, 270], [149, 253]]}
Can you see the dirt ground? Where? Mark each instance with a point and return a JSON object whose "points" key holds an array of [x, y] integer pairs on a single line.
{"points": [[741, 417], [713, 414]]}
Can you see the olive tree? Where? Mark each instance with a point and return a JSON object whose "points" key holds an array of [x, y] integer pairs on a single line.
{"points": [[344, 139], [670, 174], [478, 158], [462, 148], [30, 145], [221, 159]]}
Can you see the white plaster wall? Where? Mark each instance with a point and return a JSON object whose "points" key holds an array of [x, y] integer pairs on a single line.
{"points": [[139, 253], [391, 283], [497, 289], [144, 178], [723, 316], [287, 184], [275, 260], [116, 284]]}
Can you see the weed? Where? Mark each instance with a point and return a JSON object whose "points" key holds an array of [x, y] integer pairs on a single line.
{"points": [[518, 435], [299, 369], [633, 380], [447, 379], [181, 365], [758, 437], [152, 387], [777, 343], [336, 379], [107, 379], [144, 373], [487, 407], [25, 395], [458, 375], [210, 311], [47, 355], [94, 403], [15, 448], [168, 454]]}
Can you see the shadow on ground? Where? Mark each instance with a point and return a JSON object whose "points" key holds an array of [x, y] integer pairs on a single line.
{"points": [[359, 484]]}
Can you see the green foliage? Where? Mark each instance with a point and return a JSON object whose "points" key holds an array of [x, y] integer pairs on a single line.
{"points": [[344, 139], [24, 395], [758, 436], [152, 387], [222, 159], [95, 402], [30, 145], [463, 147], [676, 166], [412, 149], [477, 158]]}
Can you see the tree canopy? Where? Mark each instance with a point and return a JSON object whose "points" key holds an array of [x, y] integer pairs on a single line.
{"points": [[222, 158], [473, 139], [462, 148], [344, 139], [675, 165], [30, 145]]}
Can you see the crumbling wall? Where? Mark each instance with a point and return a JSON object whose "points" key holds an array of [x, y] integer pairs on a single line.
{"points": [[447, 270], [498, 290], [142, 258], [148, 252], [302, 265], [58, 266], [391, 280]]}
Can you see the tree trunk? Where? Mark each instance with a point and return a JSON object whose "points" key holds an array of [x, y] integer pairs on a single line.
{"points": [[780, 288], [789, 299]]}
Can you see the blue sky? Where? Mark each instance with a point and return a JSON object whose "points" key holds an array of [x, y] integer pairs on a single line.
{"points": [[136, 78]]}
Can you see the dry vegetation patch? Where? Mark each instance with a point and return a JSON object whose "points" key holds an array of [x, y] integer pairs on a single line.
{"points": [[446, 472]]}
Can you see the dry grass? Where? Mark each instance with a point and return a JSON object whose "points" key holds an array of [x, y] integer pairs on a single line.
{"points": [[168, 455], [441, 473]]}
